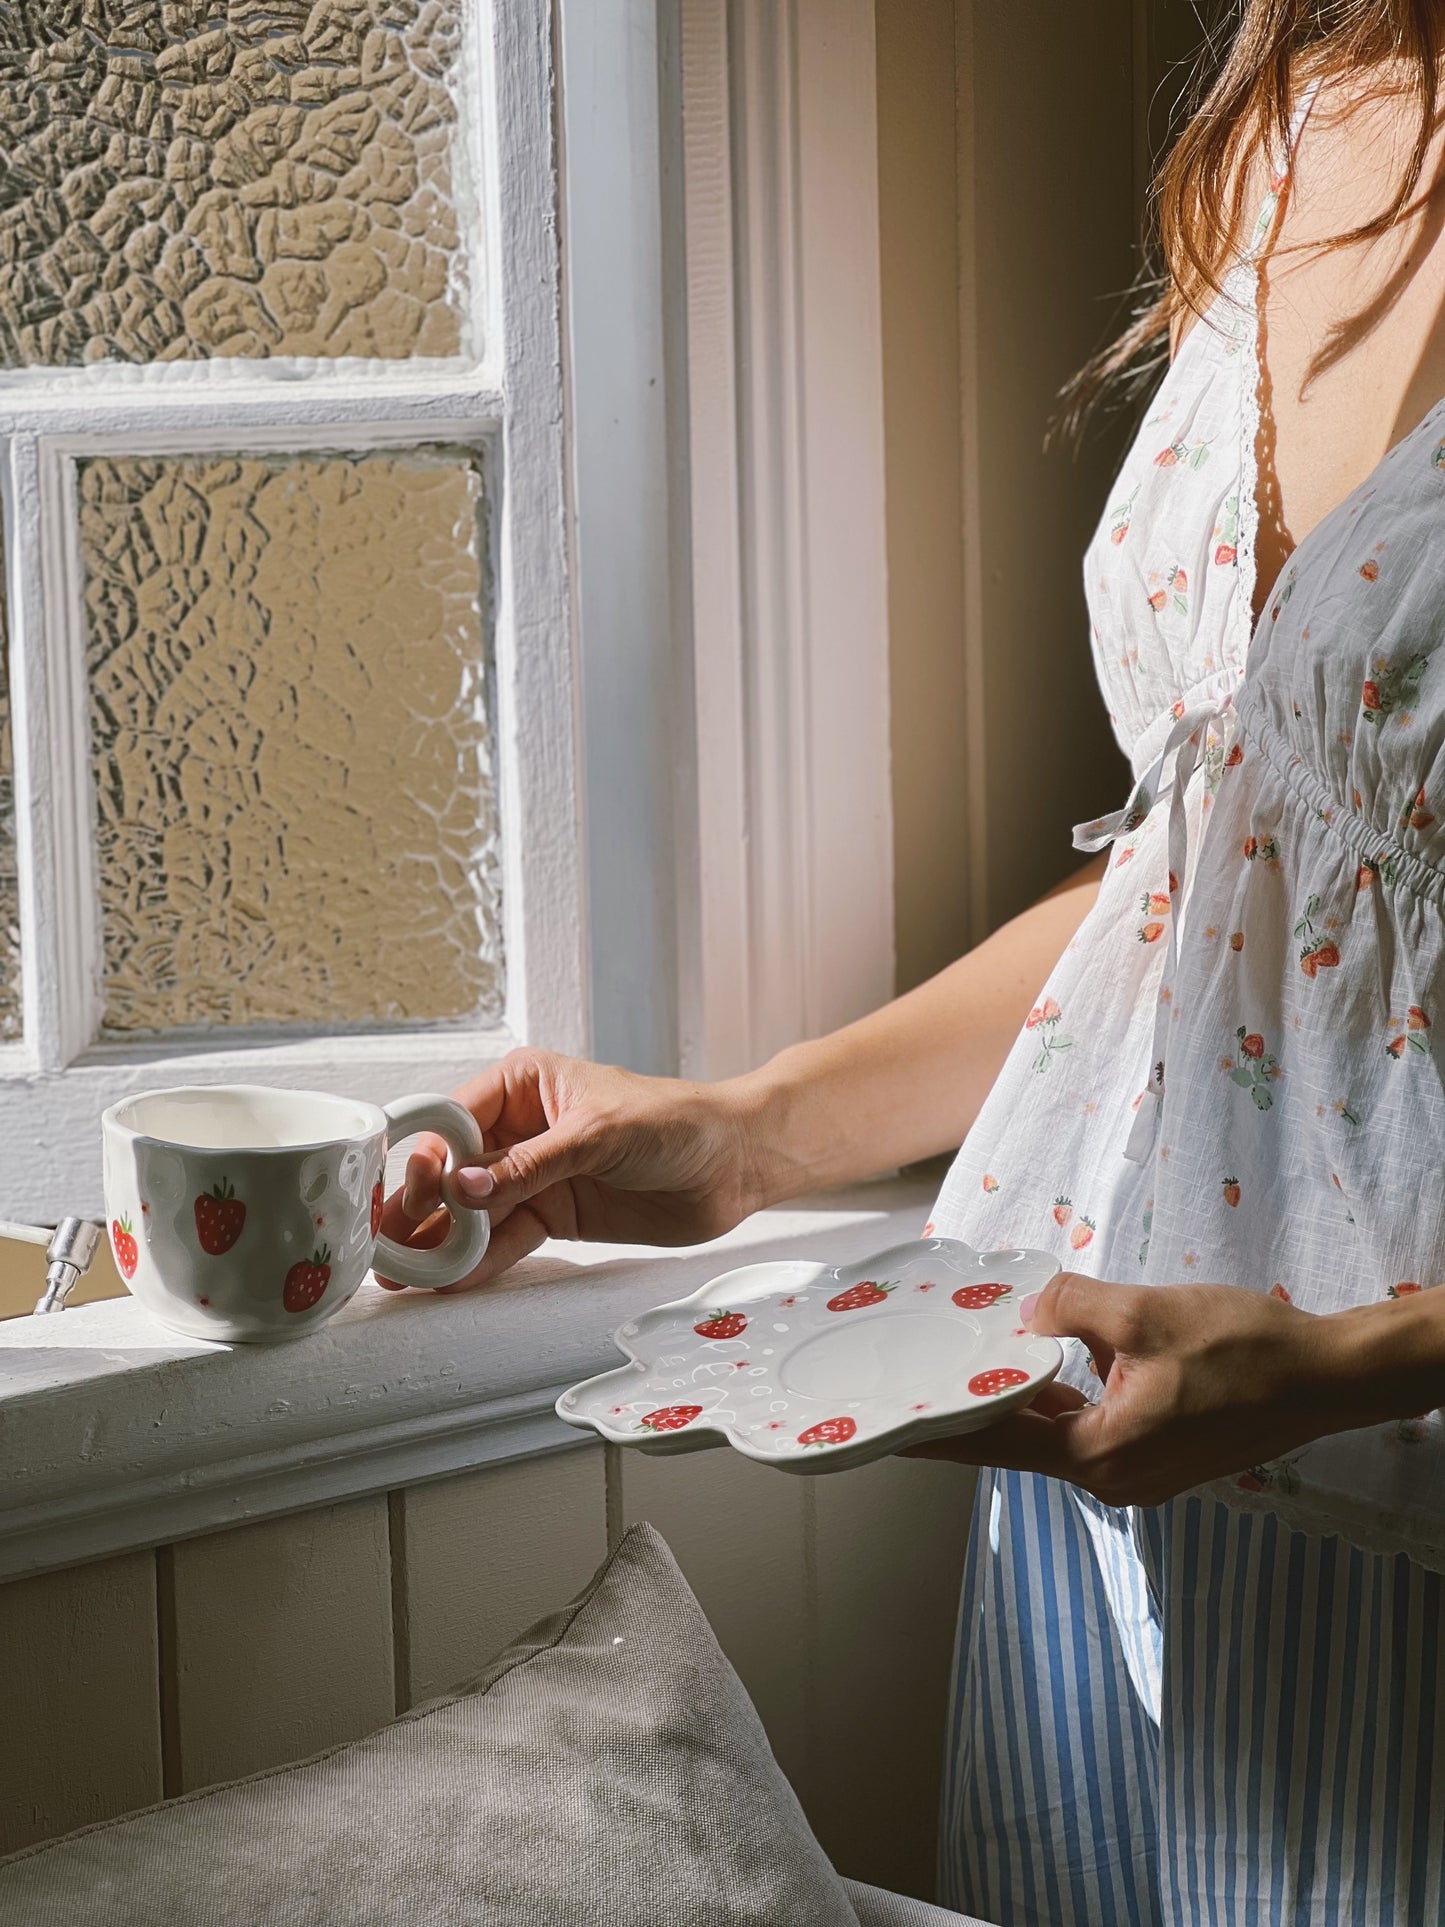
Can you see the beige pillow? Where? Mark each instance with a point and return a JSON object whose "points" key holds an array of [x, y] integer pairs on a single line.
{"points": [[607, 1771], [876, 1908]]}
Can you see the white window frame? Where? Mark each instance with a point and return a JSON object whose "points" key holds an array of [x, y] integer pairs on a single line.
{"points": [[790, 900], [55, 1080], [728, 474]]}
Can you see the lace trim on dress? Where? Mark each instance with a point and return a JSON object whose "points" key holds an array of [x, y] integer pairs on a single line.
{"points": [[1246, 275], [1249, 425], [1330, 1517]]}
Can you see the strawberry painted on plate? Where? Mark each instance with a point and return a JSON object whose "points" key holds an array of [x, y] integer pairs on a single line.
{"points": [[1002, 1378], [672, 1418], [722, 1324], [857, 1296], [980, 1297], [829, 1431]]}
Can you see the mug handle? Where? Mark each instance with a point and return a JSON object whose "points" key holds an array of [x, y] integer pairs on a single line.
{"points": [[470, 1231]]}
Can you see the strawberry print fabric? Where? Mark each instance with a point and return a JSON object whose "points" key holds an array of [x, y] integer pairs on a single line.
{"points": [[1234, 1073]]}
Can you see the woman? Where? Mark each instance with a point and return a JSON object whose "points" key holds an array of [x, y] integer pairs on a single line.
{"points": [[1221, 1707]]}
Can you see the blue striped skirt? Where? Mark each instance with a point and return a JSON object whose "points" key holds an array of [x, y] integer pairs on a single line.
{"points": [[1186, 1716]]}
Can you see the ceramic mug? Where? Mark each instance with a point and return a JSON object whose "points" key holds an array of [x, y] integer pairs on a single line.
{"points": [[242, 1212]]}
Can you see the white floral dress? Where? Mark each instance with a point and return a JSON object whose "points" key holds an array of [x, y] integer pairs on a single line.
{"points": [[1228, 1710], [1232, 1074]]}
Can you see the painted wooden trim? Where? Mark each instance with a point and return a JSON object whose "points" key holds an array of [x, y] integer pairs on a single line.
{"points": [[794, 884], [150, 421], [538, 774], [74, 941], [486, 1555], [35, 787], [621, 400], [130, 1436], [251, 1681], [78, 1700]]}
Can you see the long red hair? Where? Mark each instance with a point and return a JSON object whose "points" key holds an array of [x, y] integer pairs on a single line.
{"points": [[1240, 104]]}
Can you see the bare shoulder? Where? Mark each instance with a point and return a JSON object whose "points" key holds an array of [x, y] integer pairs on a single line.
{"points": [[1345, 118]]}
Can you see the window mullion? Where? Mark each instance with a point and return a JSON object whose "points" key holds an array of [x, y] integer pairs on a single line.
{"points": [[299, 415], [55, 957]]}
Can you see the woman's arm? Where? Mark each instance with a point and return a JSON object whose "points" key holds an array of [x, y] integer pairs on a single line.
{"points": [[578, 1150], [907, 1081]]}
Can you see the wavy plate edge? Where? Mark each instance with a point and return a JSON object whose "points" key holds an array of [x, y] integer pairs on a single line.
{"points": [[702, 1436]]}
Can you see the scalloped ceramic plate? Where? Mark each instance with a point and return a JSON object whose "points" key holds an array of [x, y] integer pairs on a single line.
{"points": [[813, 1369]]}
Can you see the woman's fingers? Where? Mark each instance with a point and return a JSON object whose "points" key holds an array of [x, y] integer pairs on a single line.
{"points": [[1025, 1441], [1055, 1398], [517, 1235], [1066, 1444], [507, 1097], [1108, 1318], [416, 1237], [511, 1177], [421, 1192], [1029, 1440], [514, 1235]]}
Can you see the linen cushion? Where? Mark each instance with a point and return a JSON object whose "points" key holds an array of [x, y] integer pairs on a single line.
{"points": [[607, 1771], [876, 1907]]}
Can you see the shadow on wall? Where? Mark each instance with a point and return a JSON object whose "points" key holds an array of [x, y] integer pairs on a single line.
{"points": [[1011, 192]]}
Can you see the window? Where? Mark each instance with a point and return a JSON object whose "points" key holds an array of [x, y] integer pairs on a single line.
{"points": [[287, 766]]}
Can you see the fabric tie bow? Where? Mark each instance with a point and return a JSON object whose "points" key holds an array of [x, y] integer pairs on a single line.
{"points": [[1172, 769]]}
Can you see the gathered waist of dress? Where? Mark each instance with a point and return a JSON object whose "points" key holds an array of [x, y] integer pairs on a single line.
{"points": [[1208, 692], [1376, 849]]}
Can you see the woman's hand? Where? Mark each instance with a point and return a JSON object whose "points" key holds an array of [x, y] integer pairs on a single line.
{"points": [[578, 1150], [1200, 1381]]}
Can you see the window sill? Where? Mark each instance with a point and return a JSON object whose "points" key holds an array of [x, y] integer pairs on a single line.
{"points": [[118, 1434]]}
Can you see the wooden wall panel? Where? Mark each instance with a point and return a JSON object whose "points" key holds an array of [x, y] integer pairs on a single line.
{"points": [[888, 1562], [480, 1557], [276, 1641], [835, 1598], [80, 1735], [742, 1535]]}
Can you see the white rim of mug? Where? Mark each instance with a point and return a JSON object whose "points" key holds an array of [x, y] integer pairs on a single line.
{"points": [[111, 1120]]}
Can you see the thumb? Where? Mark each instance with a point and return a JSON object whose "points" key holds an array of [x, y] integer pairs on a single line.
{"points": [[511, 1177], [1104, 1316]]}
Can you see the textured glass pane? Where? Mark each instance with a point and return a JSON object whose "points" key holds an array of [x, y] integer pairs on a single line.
{"points": [[186, 178], [287, 670], [9, 886]]}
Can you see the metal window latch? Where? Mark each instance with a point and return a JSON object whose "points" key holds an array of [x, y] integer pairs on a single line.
{"points": [[69, 1249]]}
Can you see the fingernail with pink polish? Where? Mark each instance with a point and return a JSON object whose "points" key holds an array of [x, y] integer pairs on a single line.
{"points": [[1028, 1305], [474, 1183]]}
